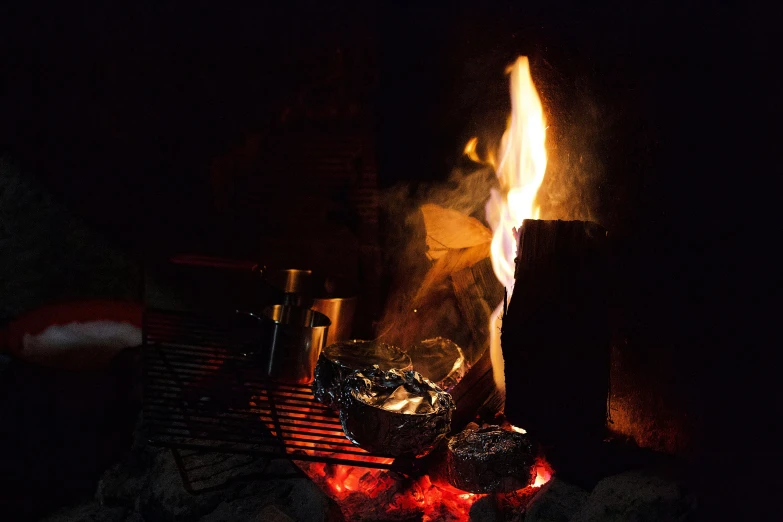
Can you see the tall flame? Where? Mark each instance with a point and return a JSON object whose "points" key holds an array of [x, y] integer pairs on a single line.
{"points": [[520, 171]]}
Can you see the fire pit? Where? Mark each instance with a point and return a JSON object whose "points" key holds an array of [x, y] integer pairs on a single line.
{"points": [[202, 395], [199, 395]]}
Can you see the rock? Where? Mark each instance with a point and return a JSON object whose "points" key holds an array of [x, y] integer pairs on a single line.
{"points": [[557, 501], [273, 514], [484, 509], [134, 517], [224, 487], [246, 510], [89, 512], [166, 496], [121, 485], [307, 503], [639, 496]]}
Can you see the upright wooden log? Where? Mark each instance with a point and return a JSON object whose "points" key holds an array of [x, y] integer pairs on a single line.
{"points": [[555, 337]]}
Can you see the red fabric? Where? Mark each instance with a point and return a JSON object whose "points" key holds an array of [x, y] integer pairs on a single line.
{"points": [[40, 319]]}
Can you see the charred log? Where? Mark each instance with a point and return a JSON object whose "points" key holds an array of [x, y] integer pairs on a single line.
{"points": [[478, 292], [474, 391], [556, 337]]}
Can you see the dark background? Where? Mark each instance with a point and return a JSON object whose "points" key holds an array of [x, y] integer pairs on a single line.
{"points": [[119, 111]]}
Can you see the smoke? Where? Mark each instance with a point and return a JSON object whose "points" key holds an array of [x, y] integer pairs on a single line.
{"points": [[571, 189], [405, 320]]}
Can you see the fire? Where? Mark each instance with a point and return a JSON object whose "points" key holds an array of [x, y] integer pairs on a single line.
{"points": [[470, 150], [364, 492], [543, 473], [520, 170]]}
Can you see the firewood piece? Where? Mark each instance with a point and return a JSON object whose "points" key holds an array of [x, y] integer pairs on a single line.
{"points": [[452, 261], [449, 229], [555, 337], [472, 391], [478, 292]]}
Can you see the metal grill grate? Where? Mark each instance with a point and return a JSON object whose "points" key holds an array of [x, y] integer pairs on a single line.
{"points": [[200, 392]]}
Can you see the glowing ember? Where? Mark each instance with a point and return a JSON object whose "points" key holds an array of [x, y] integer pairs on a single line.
{"points": [[363, 493], [543, 474], [520, 171]]}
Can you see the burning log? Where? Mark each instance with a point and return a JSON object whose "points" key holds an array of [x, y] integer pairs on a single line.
{"points": [[555, 336], [477, 291], [473, 391], [490, 460]]}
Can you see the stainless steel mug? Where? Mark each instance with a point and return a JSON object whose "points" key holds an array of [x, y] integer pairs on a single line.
{"points": [[334, 297], [293, 339]]}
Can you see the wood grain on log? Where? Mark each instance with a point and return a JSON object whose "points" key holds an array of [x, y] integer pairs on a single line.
{"points": [[478, 292], [555, 337], [472, 392]]}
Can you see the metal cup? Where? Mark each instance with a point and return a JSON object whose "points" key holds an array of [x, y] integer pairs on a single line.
{"points": [[334, 297], [294, 337]]}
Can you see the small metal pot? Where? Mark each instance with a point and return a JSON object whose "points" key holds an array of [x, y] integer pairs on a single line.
{"points": [[339, 360], [291, 341], [334, 297], [368, 423]]}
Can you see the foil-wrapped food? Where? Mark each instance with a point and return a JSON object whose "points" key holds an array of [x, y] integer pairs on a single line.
{"points": [[338, 361], [394, 412], [490, 460], [440, 360]]}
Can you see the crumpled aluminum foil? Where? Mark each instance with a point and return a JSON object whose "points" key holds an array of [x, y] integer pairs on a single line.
{"points": [[395, 412], [339, 360], [490, 460], [440, 360]]}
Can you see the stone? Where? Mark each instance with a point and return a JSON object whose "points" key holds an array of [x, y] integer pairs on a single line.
{"points": [[249, 510], [639, 496], [556, 501], [485, 509], [89, 512], [167, 497], [273, 514], [121, 484], [226, 487], [306, 502]]}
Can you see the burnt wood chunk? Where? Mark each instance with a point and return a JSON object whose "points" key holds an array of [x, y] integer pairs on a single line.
{"points": [[473, 391], [555, 337], [490, 460]]}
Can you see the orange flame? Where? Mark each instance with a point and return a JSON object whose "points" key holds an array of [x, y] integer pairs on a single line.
{"points": [[520, 171]]}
